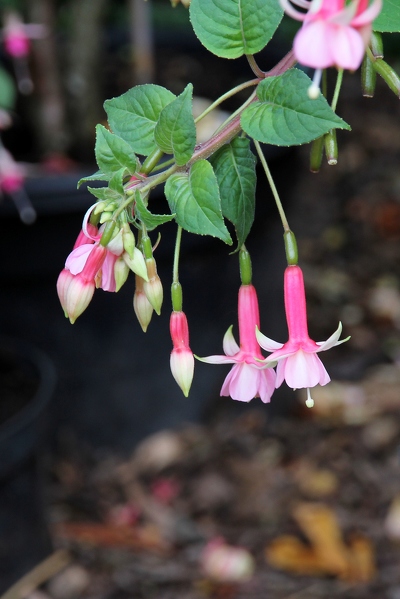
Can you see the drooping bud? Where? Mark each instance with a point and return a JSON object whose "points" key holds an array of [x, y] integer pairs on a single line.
{"points": [[316, 154], [388, 74], [182, 359], [83, 239], [137, 263], [368, 77], [128, 239], [376, 44], [121, 272], [141, 305], [153, 287], [331, 147]]}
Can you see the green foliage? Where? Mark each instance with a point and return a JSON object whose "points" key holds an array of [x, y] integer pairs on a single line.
{"points": [[134, 115], [389, 18], [175, 131], [7, 91], [284, 115], [113, 153], [194, 198], [151, 221], [231, 28], [234, 167]]}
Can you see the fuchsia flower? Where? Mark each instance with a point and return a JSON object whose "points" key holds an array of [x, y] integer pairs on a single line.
{"points": [[334, 33], [248, 378], [17, 35], [297, 359], [182, 360]]}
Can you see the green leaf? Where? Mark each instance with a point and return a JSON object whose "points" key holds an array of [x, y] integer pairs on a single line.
{"points": [[175, 132], [7, 91], [113, 153], [98, 176], [231, 28], [284, 115], [103, 193], [133, 116], [388, 19], [151, 221], [194, 197], [234, 167], [116, 182]]}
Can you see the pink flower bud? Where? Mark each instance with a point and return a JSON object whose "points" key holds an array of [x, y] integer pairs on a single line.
{"points": [[83, 239], [182, 360]]}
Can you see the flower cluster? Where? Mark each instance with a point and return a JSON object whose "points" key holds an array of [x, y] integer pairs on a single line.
{"points": [[297, 362]]}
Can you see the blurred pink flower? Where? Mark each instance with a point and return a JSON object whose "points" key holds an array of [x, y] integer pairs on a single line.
{"points": [[298, 363], [334, 33], [247, 378]]}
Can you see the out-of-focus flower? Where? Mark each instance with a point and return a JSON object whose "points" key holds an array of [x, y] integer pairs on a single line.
{"points": [[297, 359], [247, 378], [224, 563], [334, 33]]}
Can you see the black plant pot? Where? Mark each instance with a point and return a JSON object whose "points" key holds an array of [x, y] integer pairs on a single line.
{"points": [[27, 381]]}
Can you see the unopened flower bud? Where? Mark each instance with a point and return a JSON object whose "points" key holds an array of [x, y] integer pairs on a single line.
{"points": [[182, 360], [316, 154], [121, 272], [368, 77], [128, 239], [153, 287], [141, 305], [388, 74], [224, 563], [105, 217], [137, 263], [331, 147], [376, 44]]}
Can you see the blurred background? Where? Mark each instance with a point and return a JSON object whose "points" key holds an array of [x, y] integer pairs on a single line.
{"points": [[113, 383]]}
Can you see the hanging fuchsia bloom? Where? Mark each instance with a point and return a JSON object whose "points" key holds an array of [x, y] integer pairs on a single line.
{"points": [[17, 34], [182, 360], [297, 359], [247, 378], [76, 291], [334, 33]]}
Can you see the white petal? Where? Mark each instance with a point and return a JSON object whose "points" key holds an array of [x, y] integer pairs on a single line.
{"points": [[229, 344], [302, 370], [267, 343], [333, 340], [216, 359]]}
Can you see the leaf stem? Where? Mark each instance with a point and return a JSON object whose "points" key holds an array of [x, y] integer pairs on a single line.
{"points": [[273, 187], [226, 96], [175, 269], [336, 93], [254, 66]]}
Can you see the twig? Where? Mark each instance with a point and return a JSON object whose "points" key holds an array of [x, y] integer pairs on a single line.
{"points": [[38, 576]]}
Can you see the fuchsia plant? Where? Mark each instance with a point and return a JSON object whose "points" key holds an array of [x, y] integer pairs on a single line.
{"points": [[151, 140]]}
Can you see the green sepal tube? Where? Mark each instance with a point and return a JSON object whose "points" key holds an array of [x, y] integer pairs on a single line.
{"points": [[368, 77], [246, 273], [147, 247], [331, 147], [292, 255], [176, 297], [388, 74], [316, 154], [108, 233], [376, 44]]}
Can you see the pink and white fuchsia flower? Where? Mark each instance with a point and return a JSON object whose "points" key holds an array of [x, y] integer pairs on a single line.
{"points": [[297, 359], [334, 33], [247, 378], [182, 360]]}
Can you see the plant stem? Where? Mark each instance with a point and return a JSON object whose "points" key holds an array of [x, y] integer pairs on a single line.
{"points": [[254, 66], [225, 96], [273, 187], [336, 93], [175, 269]]}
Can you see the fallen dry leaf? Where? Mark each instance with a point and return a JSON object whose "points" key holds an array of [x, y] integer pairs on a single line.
{"points": [[145, 538], [328, 554]]}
